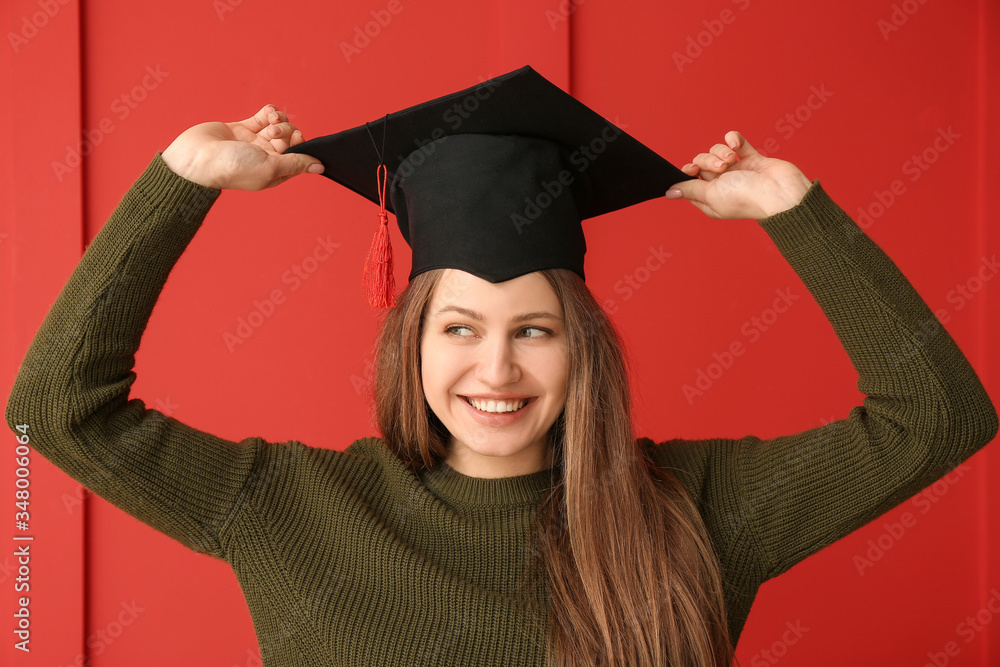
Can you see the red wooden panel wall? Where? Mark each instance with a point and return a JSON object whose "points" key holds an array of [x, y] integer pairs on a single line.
{"points": [[857, 93]]}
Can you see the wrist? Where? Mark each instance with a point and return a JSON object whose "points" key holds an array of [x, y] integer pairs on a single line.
{"points": [[788, 194], [186, 162]]}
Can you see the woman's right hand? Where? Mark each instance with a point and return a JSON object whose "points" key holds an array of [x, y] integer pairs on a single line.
{"points": [[246, 155]]}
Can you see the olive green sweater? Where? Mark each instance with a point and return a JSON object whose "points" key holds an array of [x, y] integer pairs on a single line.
{"points": [[348, 558]]}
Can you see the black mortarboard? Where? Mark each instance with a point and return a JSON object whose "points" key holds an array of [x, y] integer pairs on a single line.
{"points": [[494, 179]]}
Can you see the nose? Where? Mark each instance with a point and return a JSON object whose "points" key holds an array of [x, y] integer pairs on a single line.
{"points": [[497, 364]]}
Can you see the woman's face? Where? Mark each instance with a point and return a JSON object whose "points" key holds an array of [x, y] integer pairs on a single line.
{"points": [[494, 365]]}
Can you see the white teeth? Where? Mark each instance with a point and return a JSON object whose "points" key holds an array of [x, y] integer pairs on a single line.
{"points": [[496, 406]]}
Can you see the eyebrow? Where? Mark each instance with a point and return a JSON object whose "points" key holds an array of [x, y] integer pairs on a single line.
{"points": [[476, 315]]}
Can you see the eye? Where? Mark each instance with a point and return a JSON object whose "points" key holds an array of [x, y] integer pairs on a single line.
{"points": [[534, 332], [457, 329]]}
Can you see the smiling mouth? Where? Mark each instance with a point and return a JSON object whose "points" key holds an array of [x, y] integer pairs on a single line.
{"points": [[512, 405]]}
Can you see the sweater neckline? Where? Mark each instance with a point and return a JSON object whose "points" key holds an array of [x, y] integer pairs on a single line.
{"points": [[457, 488]]}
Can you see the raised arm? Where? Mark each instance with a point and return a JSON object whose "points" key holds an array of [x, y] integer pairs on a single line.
{"points": [[71, 394], [773, 502]]}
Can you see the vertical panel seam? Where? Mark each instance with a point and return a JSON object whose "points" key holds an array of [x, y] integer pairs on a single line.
{"points": [[983, 502], [81, 229]]}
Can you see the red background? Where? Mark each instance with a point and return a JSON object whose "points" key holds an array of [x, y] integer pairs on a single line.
{"points": [[888, 88]]}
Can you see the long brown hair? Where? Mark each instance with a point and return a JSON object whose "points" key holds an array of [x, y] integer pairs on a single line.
{"points": [[619, 544]]}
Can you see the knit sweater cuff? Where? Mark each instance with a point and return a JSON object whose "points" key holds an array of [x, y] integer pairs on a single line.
{"points": [[166, 191]]}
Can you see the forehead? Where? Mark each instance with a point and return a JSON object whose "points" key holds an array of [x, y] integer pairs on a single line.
{"points": [[529, 292]]}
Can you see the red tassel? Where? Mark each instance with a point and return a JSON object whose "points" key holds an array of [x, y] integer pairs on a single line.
{"points": [[379, 282]]}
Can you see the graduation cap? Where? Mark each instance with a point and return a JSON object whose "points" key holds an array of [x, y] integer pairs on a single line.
{"points": [[493, 180]]}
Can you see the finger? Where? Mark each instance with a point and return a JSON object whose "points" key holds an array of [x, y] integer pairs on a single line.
{"points": [[691, 169], [693, 190], [738, 143], [287, 166], [278, 131], [725, 154], [261, 119], [279, 136], [707, 163], [297, 138], [721, 157]]}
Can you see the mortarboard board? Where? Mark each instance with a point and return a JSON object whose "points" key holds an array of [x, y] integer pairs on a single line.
{"points": [[494, 179]]}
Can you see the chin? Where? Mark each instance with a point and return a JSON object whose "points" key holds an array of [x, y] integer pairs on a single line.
{"points": [[498, 449]]}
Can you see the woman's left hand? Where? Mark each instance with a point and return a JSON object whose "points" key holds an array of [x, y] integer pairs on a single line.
{"points": [[739, 183]]}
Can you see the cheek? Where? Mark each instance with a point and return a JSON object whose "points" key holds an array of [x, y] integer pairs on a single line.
{"points": [[437, 369], [427, 366], [551, 371], [559, 372], [563, 383]]}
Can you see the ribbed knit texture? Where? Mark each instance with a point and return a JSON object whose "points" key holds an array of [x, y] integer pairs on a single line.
{"points": [[347, 558]]}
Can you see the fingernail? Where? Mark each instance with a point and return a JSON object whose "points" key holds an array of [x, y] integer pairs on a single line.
{"points": [[674, 193], [315, 168], [718, 163]]}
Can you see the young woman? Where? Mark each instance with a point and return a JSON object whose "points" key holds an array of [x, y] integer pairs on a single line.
{"points": [[507, 515]]}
